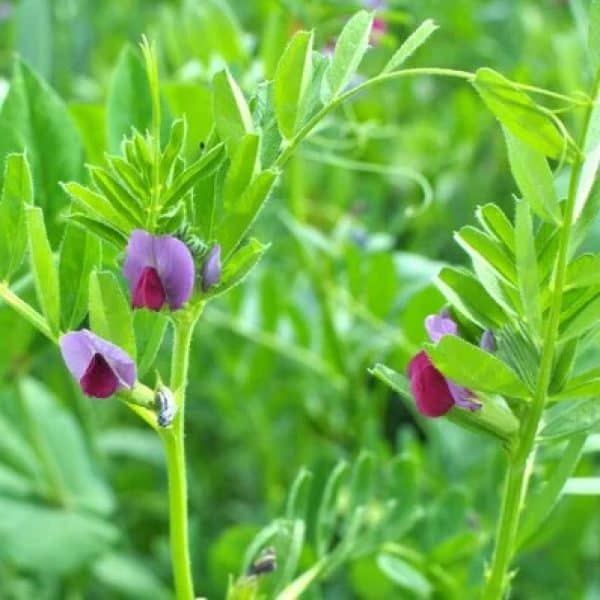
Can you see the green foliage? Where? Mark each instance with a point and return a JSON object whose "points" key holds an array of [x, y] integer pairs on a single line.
{"points": [[387, 503]]}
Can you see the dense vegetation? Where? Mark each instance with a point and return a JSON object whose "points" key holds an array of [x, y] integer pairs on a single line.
{"points": [[395, 190]]}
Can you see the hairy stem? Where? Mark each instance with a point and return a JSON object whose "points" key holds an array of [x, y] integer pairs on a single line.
{"points": [[521, 463], [174, 444]]}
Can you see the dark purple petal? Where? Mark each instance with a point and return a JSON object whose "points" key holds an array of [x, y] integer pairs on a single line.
{"points": [[97, 360], [169, 257], [429, 387], [211, 270], [438, 326], [99, 380], [149, 292], [488, 341]]}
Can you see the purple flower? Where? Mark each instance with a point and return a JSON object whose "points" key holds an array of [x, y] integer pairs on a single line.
{"points": [[100, 367], [435, 395], [211, 270], [429, 387], [160, 270]]}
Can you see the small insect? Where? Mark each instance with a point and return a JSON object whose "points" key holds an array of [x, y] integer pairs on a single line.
{"points": [[265, 563], [165, 406]]}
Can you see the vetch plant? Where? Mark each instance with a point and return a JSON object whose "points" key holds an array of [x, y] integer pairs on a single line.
{"points": [[177, 231], [534, 289]]}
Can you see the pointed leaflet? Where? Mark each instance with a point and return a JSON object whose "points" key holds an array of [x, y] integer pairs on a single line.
{"points": [[80, 254], [349, 51], [97, 206], [495, 222], [469, 297], [594, 34], [16, 193], [480, 246], [110, 311], [44, 270], [128, 104], [235, 224], [150, 328], [232, 115], [534, 178], [527, 268], [412, 43], [244, 166], [205, 166], [475, 368], [292, 80], [591, 151], [519, 113], [238, 267], [35, 119]]}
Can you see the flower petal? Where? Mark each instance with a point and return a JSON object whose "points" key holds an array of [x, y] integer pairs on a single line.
{"points": [[80, 351], [119, 361], [140, 254], [438, 326], [488, 341], [77, 352], [462, 396], [149, 292], [429, 387], [175, 267], [99, 381]]}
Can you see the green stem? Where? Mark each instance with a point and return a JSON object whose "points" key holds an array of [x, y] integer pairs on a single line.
{"points": [[292, 144], [521, 463], [26, 311], [174, 443]]}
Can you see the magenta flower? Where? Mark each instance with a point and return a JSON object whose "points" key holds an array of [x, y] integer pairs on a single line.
{"points": [[160, 270], [100, 367], [211, 270], [434, 394], [429, 387]]}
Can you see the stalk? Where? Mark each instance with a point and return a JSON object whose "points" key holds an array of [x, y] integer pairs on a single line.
{"points": [[174, 444], [521, 462]]}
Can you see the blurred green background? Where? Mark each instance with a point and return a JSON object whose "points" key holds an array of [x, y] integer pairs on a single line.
{"points": [[279, 373]]}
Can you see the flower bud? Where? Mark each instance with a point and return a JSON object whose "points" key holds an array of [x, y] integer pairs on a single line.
{"points": [[211, 270]]}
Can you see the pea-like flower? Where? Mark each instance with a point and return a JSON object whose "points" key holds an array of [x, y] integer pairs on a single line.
{"points": [[211, 269], [434, 394], [160, 270], [100, 367]]}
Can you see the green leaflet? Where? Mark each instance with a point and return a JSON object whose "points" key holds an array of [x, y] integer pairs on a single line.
{"points": [[16, 194], [232, 115], [475, 368], [292, 80], [34, 119], [245, 164], [527, 268], [518, 113], [469, 297], [534, 178], [237, 222], [238, 267], [349, 51], [43, 267], [410, 45], [110, 312], [80, 254]]}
